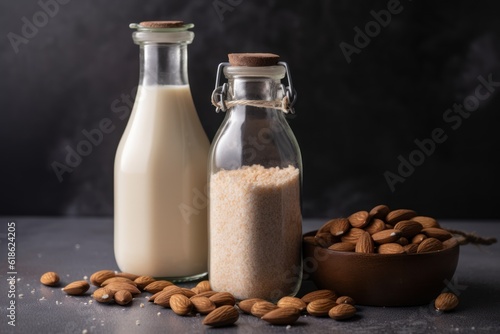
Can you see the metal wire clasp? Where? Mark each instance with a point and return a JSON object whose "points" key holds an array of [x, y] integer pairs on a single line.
{"points": [[219, 93]]}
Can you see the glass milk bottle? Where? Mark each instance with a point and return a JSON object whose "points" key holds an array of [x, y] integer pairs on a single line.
{"points": [[160, 222], [255, 174]]}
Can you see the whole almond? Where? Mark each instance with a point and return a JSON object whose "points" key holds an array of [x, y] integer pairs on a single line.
{"points": [[310, 239], [153, 297], [325, 228], [180, 304], [100, 276], [386, 236], [408, 228], [282, 316], [76, 288], [340, 226], [246, 304], [118, 279], [163, 297], [365, 244], [411, 248], [130, 276], [157, 286], [345, 300], [319, 294], [288, 301], [438, 233], [402, 241], [117, 286], [396, 216], [103, 295], [222, 316], [223, 298], [343, 247], [380, 211], [353, 235], [324, 239], [359, 219], [430, 245], [342, 311], [375, 226], [203, 286], [446, 301], [202, 305], [143, 281], [207, 294], [50, 278], [260, 308], [320, 307], [418, 238], [390, 248], [187, 292], [123, 297], [426, 221]]}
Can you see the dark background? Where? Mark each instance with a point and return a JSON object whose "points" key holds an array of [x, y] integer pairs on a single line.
{"points": [[353, 119]]}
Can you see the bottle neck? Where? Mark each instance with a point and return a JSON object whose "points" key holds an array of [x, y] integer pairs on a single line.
{"points": [[163, 64], [255, 88]]}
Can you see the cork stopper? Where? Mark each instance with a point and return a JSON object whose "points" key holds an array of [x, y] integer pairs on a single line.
{"points": [[253, 59], [162, 24]]}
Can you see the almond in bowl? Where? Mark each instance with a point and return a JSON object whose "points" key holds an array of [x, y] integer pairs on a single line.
{"points": [[385, 258]]}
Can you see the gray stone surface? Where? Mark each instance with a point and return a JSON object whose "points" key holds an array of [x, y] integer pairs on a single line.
{"points": [[75, 248]]}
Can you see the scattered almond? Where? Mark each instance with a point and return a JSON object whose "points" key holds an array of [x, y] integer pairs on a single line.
{"points": [[288, 301], [180, 304], [342, 311], [260, 308], [446, 301], [123, 297], [143, 281], [320, 307], [246, 304], [319, 294], [118, 279], [50, 278], [207, 294], [188, 293], [130, 276], [202, 305], [223, 298], [203, 286], [103, 295], [157, 286], [345, 300], [76, 288], [163, 297], [100, 276], [282, 316], [117, 286], [222, 316]]}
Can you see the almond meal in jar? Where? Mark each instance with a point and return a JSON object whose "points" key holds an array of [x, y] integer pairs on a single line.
{"points": [[255, 174]]}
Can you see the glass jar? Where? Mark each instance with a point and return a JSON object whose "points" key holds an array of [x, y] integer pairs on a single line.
{"points": [[160, 222], [255, 177]]}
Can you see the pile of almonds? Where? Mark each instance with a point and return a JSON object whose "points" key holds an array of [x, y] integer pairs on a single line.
{"points": [[219, 307], [383, 231]]}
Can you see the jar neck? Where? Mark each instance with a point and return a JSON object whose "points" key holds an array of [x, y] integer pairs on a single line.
{"points": [[163, 64]]}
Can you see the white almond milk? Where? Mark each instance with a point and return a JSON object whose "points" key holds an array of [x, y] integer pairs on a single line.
{"points": [[160, 176]]}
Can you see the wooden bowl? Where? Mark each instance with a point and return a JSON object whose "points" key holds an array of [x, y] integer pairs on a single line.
{"points": [[381, 279]]}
